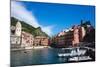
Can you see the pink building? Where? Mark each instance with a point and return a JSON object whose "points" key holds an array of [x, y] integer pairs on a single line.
{"points": [[82, 33], [27, 39], [71, 37], [41, 41], [75, 36]]}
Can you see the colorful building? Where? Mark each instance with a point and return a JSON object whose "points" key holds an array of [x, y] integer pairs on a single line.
{"points": [[70, 37], [27, 39], [75, 35], [41, 41], [19, 38], [15, 39]]}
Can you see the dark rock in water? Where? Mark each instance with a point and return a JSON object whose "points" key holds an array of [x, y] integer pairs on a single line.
{"points": [[25, 52]]}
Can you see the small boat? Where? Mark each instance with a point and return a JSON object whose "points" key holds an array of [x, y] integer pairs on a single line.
{"points": [[80, 58], [74, 54], [71, 52]]}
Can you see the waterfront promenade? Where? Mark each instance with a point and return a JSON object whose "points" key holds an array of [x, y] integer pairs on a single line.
{"points": [[27, 48]]}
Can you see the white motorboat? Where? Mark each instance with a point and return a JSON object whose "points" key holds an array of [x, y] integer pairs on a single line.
{"points": [[71, 52], [74, 54], [80, 58]]}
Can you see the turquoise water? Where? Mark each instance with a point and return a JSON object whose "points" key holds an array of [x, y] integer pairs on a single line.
{"points": [[35, 57]]}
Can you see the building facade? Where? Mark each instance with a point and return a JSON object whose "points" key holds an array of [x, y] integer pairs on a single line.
{"points": [[15, 39], [60, 39], [75, 39], [82, 33], [41, 41], [19, 38], [70, 37], [27, 39]]}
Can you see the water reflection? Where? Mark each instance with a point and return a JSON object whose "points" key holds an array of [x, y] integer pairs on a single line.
{"points": [[35, 56]]}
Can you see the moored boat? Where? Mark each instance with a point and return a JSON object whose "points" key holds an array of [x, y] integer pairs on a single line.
{"points": [[74, 54]]}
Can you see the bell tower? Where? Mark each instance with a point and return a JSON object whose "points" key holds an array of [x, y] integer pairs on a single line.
{"points": [[18, 29]]}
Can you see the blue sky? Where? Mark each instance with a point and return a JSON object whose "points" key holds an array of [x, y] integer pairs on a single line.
{"points": [[53, 18]]}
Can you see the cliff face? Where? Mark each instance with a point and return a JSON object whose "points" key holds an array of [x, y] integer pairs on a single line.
{"points": [[28, 28]]}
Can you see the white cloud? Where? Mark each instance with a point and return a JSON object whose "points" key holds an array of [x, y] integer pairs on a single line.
{"points": [[19, 11], [48, 30]]}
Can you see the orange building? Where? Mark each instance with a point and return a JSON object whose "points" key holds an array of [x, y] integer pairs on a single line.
{"points": [[75, 36], [41, 41], [71, 37], [27, 39], [82, 33]]}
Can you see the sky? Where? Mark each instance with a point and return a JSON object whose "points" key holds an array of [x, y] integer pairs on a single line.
{"points": [[52, 17]]}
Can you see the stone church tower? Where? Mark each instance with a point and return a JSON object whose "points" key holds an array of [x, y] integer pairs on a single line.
{"points": [[18, 29]]}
